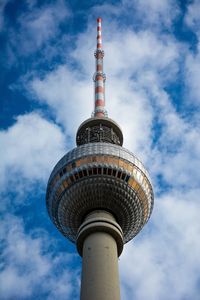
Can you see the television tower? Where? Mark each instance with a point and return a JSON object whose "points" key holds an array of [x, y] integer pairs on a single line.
{"points": [[99, 195]]}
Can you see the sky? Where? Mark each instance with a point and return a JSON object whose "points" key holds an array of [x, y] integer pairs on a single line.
{"points": [[152, 64]]}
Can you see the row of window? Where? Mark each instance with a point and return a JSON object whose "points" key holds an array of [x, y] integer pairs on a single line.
{"points": [[101, 159], [103, 171], [100, 171], [101, 149], [94, 170]]}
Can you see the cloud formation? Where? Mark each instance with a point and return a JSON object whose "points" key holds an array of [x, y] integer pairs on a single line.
{"points": [[31, 148], [166, 258], [40, 25], [29, 265]]}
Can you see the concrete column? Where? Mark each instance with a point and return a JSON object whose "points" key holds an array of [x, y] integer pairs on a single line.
{"points": [[100, 243]]}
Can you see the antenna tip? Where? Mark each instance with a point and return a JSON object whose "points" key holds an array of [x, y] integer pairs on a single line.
{"points": [[99, 20]]}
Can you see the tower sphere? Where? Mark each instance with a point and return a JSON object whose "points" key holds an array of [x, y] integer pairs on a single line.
{"points": [[99, 175]]}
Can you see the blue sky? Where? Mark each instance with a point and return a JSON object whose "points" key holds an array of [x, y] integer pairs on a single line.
{"points": [[152, 63]]}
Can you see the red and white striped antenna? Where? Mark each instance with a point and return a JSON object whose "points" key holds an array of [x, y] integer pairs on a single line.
{"points": [[99, 39], [99, 76]]}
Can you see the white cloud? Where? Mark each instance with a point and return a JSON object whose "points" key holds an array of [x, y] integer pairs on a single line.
{"points": [[192, 15], [192, 62], [175, 155], [166, 258], [157, 15], [30, 267], [37, 27], [155, 12], [32, 146], [67, 93], [192, 74], [181, 166]]}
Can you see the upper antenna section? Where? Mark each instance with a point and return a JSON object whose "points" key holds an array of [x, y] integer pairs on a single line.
{"points": [[99, 76], [99, 40]]}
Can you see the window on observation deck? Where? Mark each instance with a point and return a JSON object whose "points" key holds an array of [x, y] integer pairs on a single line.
{"points": [[114, 172], [71, 178], [74, 164], [119, 174], [84, 173], [80, 173], [123, 176], [109, 171]]}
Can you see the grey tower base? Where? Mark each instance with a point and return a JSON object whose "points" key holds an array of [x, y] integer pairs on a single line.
{"points": [[100, 243]]}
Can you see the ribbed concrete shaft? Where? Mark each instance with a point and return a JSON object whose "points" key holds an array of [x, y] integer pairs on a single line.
{"points": [[100, 242]]}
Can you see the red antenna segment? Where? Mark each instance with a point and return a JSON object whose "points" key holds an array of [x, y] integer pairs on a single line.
{"points": [[99, 76]]}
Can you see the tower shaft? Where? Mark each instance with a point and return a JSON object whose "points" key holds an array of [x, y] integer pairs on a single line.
{"points": [[101, 242], [100, 278]]}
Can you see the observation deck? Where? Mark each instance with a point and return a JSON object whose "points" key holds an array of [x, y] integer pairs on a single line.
{"points": [[103, 176]]}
